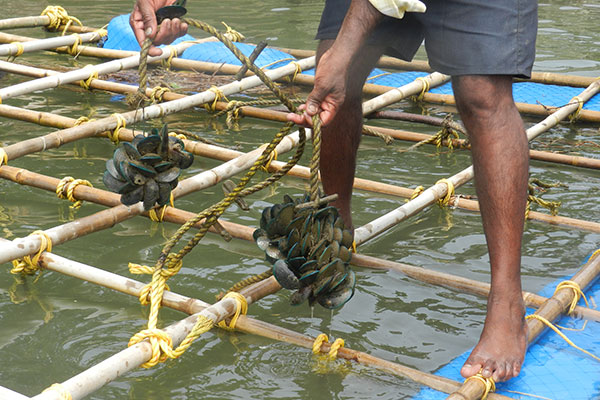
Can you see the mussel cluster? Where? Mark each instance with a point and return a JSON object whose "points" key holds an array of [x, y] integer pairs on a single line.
{"points": [[147, 169], [309, 250]]}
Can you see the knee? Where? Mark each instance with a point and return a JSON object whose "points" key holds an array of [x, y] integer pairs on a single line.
{"points": [[482, 96]]}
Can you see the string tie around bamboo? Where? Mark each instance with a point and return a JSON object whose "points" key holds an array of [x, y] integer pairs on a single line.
{"points": [[121, 124], [3, 157], [166, 63], [58, 16], [241, 308], [333, 349], [575, 116], [488, 383], [559, 333], [219, 95], [232, 34], [426, 86], [443, 202], [159, 279], [416, 193], [20, 51], [577, 294], [158, 214], [552, 206], [74, 48], [157, 94], [86, 84], [63, 393], [372, 132], [82, 120], [67, 185], [29, 265]]}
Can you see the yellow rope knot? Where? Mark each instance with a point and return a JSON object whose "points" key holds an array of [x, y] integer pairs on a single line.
{"points": [[418, 190], [490, 385], [161, 342], [62, 391], [82, 120], [575, 116], [3, 157], [69, 183], [157, 94], [121, 124], [559, 333], [93, 75], [426, 85], [272, 156], [157, 214], [446, 200], [232, 34], [75, 46], [577, 293], [166, 63], [241, 308], [333, 350], [59, 16], [20, 50], [218, 96], [28, 265]]}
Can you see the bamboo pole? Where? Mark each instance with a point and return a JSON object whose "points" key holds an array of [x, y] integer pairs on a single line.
{"points": [[245, 324], [8, 394], [302, 79], [578, 161], [46, 44], [177, 216], [439, 190], [92, 128], [550, 310], [25, 22], [423, 66]]}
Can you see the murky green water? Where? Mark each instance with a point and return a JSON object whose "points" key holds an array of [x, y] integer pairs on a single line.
{"points": [[58, 326]]}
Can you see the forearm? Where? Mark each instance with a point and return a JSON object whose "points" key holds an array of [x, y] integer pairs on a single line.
{"points": [[360, 21]]}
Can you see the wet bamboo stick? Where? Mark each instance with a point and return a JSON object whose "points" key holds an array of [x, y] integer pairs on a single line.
{"points": [[439, 190], [245, 324], [178, 216], [89, 129], [48, 43], [25, 22], [551, 309]]}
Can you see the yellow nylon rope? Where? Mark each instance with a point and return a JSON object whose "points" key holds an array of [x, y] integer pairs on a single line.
{"points": [[82, 120], [577, 293], [333, 350], [232, 34], [69, 183], [121, 124], [58, 16], [490, 385], [73, 49], [3, 157], [166, 63], [444, 201], [418, 190], [93, 75], [559, 333], [218, 96], [426, 85], [272, 156], [573, 117], [28, 265], [63, 393], [241, 308], [157, 93], [319, 340]]}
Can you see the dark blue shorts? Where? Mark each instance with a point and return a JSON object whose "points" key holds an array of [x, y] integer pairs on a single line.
{"points": [[462, 37]]}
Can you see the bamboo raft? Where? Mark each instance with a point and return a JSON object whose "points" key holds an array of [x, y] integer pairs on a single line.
{"points": [[551, 307]]}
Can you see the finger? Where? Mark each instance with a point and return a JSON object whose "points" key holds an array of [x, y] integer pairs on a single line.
{"points": [[154, 51], [137, 24], [148, 17]]}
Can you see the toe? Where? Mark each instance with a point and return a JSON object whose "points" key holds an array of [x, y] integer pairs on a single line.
{"points": [[470, 368]]}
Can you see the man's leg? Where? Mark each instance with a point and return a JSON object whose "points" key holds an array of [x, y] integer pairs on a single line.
{"points": [[340, 138], [500, 160]]}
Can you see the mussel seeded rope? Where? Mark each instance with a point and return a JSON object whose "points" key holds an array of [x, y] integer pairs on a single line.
{"points": [[310, 251], [147, 169]]}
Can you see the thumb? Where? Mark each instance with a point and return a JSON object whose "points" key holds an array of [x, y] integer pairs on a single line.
{"points": [[313, 102]]}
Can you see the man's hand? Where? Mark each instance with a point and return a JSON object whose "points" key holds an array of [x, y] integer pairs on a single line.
{"points": [[143, 23], [328, 93]]}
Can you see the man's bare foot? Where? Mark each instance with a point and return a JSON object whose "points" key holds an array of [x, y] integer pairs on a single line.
{"points": [[503, 342]]}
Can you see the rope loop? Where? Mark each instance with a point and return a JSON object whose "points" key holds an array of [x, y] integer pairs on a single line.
{"points": [[161, 342], [166, 63], [319, 340], [559, 333], [577, 293], [416, 193], [490, 385], [93, 75], [333, 349], [446, 200], [59, 16], [218, 96], [69, 183], [28, 265], [3, 157], [121, 124], [63, 393], [426, 86], [72, 50], [232, 34], [157, 94], [575, 115], [20, 50], [267, 164], [241, 308], [82, 120]]}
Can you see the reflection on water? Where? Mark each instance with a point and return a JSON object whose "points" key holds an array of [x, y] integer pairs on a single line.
{"points": [[70, 325]]}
